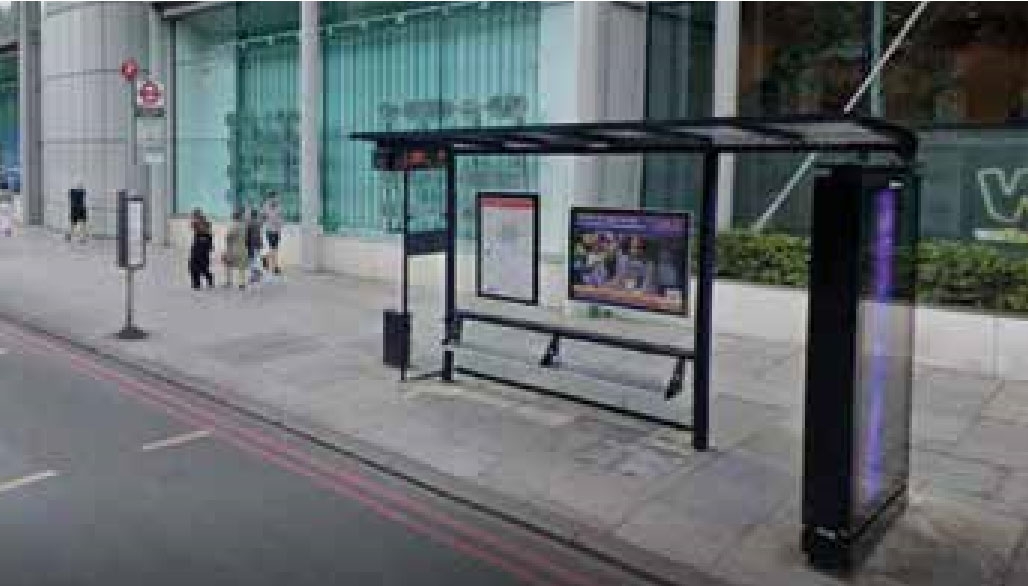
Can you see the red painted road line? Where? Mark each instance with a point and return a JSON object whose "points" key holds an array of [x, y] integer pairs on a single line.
{"points": [[151, 394], [378, 489]]}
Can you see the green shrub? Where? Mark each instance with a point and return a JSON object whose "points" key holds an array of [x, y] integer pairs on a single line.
{"points": [[768, 259], [950, 273]]}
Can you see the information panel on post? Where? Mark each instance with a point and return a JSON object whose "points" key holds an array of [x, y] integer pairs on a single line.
{"points": [[637, 259], [131, 231], [508, 246]]}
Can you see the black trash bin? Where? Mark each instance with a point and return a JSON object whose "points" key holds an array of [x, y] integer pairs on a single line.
{"points": [[396, 338]]}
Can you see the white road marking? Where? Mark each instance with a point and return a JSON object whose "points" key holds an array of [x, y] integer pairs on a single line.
{"points": [[27, 480], [176, 440], [3, 351]]}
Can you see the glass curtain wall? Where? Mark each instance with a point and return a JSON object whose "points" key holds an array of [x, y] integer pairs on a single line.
{"points": [[10, 157], [960, 79], [794, 58], [237, 112], [396, 66], [963, 82]]}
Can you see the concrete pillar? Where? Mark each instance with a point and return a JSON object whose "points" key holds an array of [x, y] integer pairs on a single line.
{"points": [[569, 91], [29, 105], [587, 79], [160, 186], [310, 137], [86, 105], [726, 96]]}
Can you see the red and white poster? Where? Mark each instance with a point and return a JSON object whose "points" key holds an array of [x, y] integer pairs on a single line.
{"points": [[508, 246]]}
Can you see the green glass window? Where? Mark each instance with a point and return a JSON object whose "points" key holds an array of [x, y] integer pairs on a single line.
{"points": [[237, 112], [393, 66], [10, 156]]}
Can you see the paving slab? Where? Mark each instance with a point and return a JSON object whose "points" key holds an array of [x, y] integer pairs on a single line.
{"points": [[997, 442], [957, 475], [946, 541], [710, 509]]}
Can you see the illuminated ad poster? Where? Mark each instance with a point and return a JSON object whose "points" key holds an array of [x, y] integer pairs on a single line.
{"points": [[508, 246], [630, 258], [885, 343]]}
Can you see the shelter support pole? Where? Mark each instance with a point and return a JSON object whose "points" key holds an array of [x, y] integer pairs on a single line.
{"points": [[404, 274], [450, 285], [704, 305]]}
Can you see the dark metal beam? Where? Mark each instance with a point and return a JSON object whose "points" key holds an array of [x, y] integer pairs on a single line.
{"points": [[765, 130], [704, 306]]}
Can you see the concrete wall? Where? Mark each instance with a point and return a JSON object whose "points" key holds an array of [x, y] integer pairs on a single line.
{"points": [[85, 104]]}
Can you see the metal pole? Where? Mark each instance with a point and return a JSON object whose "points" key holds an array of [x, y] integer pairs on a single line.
{"points": [[130, 156], [403, 274], [704, 305], [451, 267], [129, 325]]}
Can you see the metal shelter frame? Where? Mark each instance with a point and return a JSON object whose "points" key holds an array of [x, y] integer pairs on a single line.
{"points": [[708, 136]]}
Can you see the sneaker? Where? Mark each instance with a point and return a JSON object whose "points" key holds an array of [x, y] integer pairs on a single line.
{"points": [[242, 287], [277, 271]]}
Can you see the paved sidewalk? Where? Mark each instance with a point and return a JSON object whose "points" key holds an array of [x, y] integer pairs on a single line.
{"points": [[310, 347]]}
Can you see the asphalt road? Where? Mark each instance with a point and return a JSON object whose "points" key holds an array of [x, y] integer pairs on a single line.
{"points": [[108, 477]]}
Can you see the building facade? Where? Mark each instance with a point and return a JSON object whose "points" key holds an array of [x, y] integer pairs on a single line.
{"points": [[241, 122]]}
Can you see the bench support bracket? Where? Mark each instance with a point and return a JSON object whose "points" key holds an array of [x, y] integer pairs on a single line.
{"points": [[674, 386], [552, 355]]}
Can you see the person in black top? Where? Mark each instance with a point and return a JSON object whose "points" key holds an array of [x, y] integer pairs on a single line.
{"points": [[200, 251], [77, 213]]}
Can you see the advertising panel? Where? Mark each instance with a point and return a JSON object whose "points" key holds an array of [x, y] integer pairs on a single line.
{"points": [[884, 360], [508, 246], [630, 258]]}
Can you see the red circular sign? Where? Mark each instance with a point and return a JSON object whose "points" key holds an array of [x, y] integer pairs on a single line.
{"points": [[149, 93], [129, 69]]}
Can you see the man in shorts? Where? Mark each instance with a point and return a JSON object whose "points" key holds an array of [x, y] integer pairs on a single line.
{"points": [[77, 213]]}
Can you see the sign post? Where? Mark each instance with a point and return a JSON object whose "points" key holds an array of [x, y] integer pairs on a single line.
{"points": [[131, 255], [146, 99]]}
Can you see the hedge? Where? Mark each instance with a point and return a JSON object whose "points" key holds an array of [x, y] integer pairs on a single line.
{"points": [[950, 273]]}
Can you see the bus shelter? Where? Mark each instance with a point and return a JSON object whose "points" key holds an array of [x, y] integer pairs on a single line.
{"points": [[404, 151]]}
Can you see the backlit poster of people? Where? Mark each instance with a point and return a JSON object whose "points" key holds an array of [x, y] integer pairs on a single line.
{"points": [[508, 246], [630, 258]]}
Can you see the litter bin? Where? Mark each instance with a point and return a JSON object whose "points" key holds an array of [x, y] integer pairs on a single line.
{"points": [[396, 338]]}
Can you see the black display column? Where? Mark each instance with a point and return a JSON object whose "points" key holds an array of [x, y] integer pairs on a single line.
{"points": [[859, 359]]}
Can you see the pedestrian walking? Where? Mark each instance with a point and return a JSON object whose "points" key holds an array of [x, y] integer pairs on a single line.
{"points": [[77, 214], [254, 243], [6, 219], [273, 221], [200, 251], [235, 254]]}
